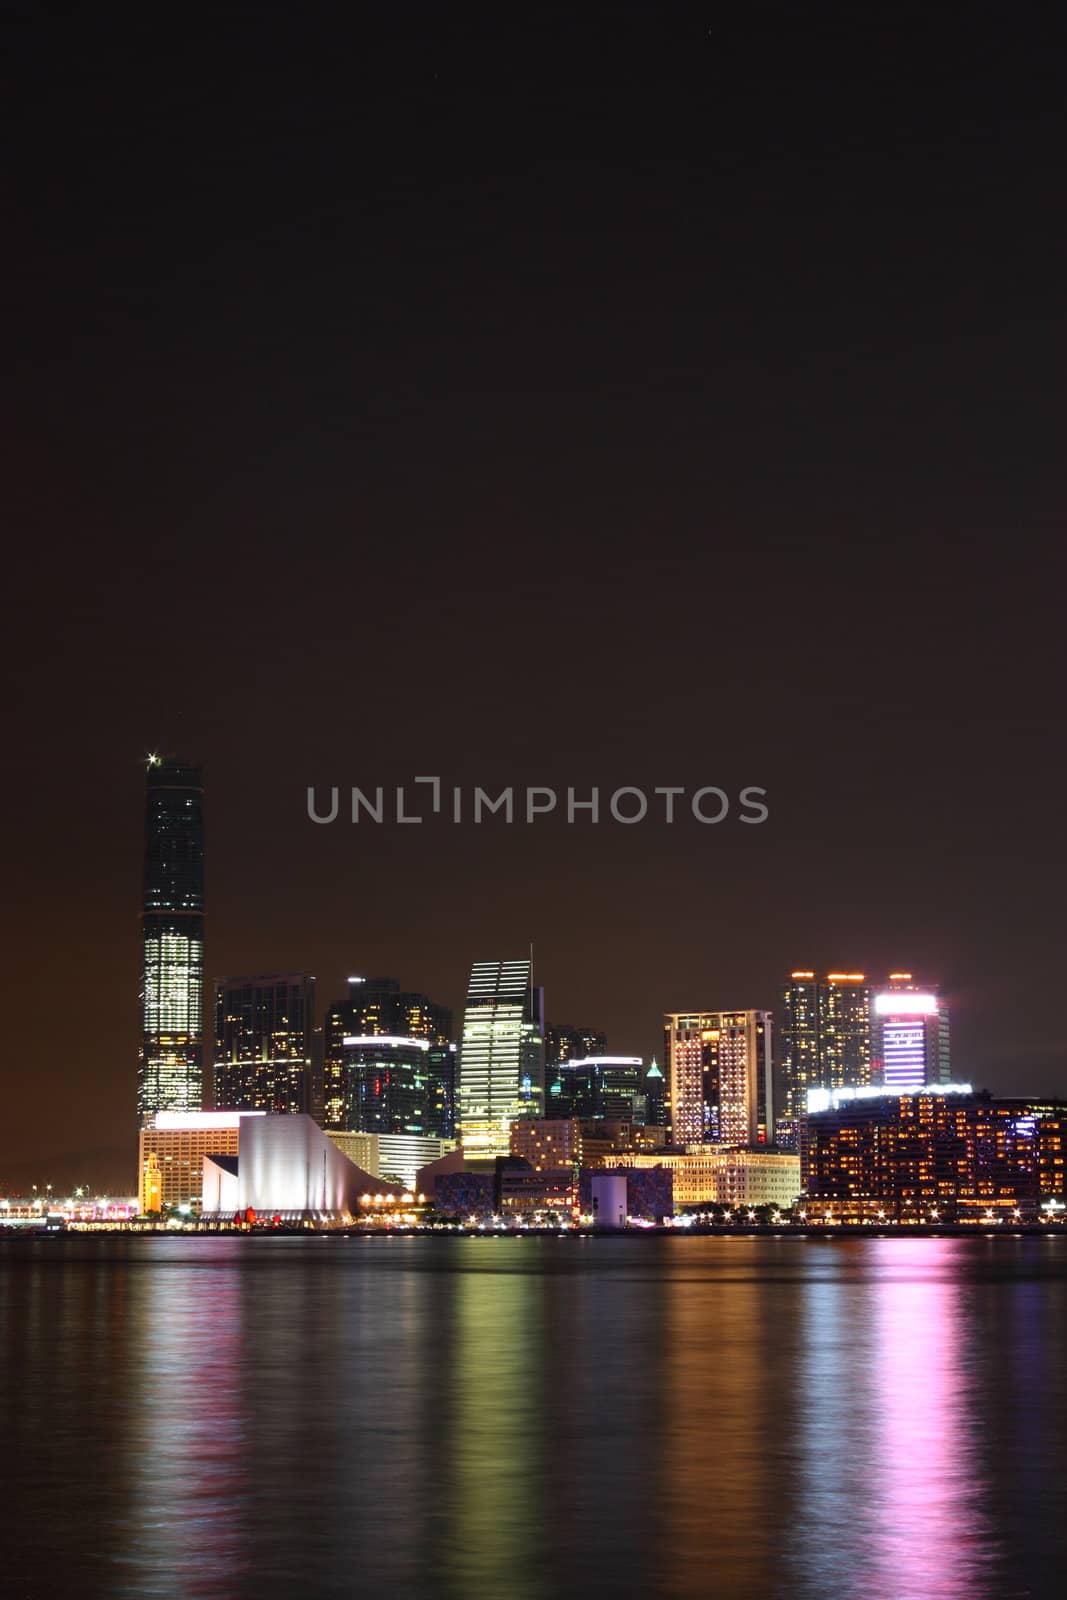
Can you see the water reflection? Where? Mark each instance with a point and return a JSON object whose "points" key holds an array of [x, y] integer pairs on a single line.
{"points": [[183, 1527], [494, 1487], [895, 1496], [270, 1418]]}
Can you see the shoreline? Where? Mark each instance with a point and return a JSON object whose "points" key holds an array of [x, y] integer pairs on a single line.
{"points": [[965, 1230]]}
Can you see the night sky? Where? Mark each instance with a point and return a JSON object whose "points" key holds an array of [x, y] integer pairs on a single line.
{"points": [[530, 395]]}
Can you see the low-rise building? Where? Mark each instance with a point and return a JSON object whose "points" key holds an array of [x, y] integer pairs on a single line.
{"points": [[714, 1175], [172, 1147]]}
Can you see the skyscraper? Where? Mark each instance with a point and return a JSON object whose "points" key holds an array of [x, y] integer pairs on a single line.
{"points": [[597, 1087], [826, 1040], [374, 1006], [501, 1056], [719, 1072], [910, 1046], [170, 1064], [263, 1031], [655, 1097], [396, 1085], [566, 1043]]}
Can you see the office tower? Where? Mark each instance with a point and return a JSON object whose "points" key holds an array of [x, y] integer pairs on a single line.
{"points": [[719, 1071], [566, 1043], [390, 1085], [563, 1042], [598, 1086], [263, 1040], [374, 1006], [655, 1097], [170, 1063], [501, 1056], [826, 1040], [910, 1035], [441, 1066]]}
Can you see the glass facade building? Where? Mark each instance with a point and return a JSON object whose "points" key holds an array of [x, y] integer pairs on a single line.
{"points": [[598, 1086], [263, 1037], [391, 1086], [374, 1006], [566, 1043], [501, 1056], [910, 1040], [170, 1073]]}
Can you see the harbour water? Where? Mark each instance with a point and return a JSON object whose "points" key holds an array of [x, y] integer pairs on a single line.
{"points": [[524, 1418]]}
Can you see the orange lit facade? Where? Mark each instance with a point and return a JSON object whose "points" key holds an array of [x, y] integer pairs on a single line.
{"points": [[719, 1077], [961, 1156]]}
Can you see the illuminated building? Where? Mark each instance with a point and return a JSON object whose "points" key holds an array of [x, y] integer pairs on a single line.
{"points": [[441, 1065], [548, 1143], [655, 1087], [263, 1029], [170, 1063], [390, 1085], [825, 1040], [944, 1149], [610, 1140], [391, 1156], [598, 1086], [704, 1175], [524, 1192], [219, 1190], [375, 1006], [501, 1056], [566, 1043], [607, 1199], [287, 1167], [719, 1073], [172, 1147], [910, 1046]]}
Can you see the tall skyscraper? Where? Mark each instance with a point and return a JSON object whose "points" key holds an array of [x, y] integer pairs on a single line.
{"points": [[910, 1046], [501, 1056], [826, 1040], [720, 1075], [170, 1072], [396, 1085], [374, 1006], [263, 1033], [655, 1097]]}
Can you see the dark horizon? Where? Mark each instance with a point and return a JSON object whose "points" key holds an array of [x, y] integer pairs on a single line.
{"points": [[628, 397]]}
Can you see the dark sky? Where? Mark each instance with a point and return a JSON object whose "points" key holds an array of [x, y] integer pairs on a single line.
{"points": [[597, 395]]}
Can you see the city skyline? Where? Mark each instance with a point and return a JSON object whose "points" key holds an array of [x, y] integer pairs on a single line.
{"points": [[427, 1015]]}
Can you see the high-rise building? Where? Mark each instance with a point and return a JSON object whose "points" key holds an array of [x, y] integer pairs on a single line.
{"points": [[170, 1071], [391, 1085], [910, 1046], [825, 1040], [655, 1097], [374, 1006], [598, 1086], [719, 1071], [566, 1043], [501, 1056], [263, 1036]]}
